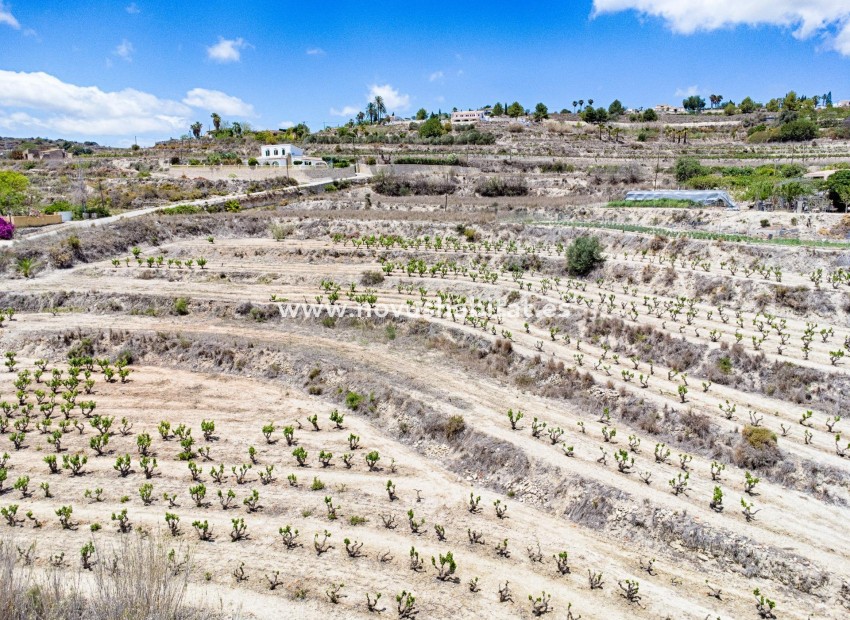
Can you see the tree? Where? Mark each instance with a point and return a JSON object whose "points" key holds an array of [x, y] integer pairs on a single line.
{"points": [[729, 109], [432, 128], [791, 101], [650, 116], [594, 115], [694, 104], [616, 108], [839, 189], [361, 116], [575, 105], [13, 191], [216, 119], [498, 110], [196, 128], [372, 111], [540, 112], [515, 110], [747, 105], [380, 107], [687, 168], [421, 114], [583, 255]]}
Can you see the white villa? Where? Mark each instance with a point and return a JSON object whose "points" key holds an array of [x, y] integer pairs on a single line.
{"points": [[278, 154], [469, 116], [288, 156]]}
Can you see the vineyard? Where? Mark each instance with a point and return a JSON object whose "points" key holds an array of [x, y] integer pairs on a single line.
{"points": [[346, 416]]}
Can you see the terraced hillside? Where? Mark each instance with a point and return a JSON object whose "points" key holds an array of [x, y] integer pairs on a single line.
{"points": [[434, 406]]}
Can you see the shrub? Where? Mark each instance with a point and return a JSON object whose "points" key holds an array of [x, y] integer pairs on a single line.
{"points": [[757, 448], [7, 229], [353, 400], [280, 231], [583, 255], [498, 186], [455, 426], [688, 167], [399, 185], [799, 130], [181, 306], [371, 278]]}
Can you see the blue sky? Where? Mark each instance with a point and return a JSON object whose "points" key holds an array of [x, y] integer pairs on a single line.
{"points": [[112, 71]]}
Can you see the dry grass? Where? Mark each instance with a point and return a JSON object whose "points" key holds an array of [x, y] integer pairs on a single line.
{"points": [[132, 580]]}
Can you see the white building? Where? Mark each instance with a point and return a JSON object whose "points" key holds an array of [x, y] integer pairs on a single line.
{"points": [[278, 154], [844, 103], [469, 116]]}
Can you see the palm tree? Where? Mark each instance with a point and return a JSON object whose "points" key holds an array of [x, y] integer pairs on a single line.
{"points": [[380, 108], [713, 99], [581, 103], [360, 117], [237, 128], [575, 103], [590, 102], [196, 128], [719, 100], [371, 111], [216, 119]]}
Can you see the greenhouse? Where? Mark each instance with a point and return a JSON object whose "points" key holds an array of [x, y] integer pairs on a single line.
{"points": [[705, 197]]}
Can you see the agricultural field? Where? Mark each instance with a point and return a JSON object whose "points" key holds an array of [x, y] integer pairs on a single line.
{"points": [[494, 401]]}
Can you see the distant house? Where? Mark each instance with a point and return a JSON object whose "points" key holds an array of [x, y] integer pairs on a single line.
{"points": [[46, 154], [469, 116], [663, 108], [844, 103], [278, 154]]}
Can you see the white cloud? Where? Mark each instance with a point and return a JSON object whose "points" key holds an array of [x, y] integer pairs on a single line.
{"points": [[347, 112], [217, 101], [133, 9], [315, 51], [42, 102], [437, 75], [827, 18], [285, 124], [393, 100], [124, 50], [690, 91], [227, 50], [7, 18]]}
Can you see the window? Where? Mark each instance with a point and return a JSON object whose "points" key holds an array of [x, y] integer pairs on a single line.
{"points": [[267, 152], [275, 151]]}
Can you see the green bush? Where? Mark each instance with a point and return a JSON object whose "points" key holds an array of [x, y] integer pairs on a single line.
{"points": [[583, 255], [705, 181], [423, 160], [688, 167], [181, 306], [799, 130], [432, 128]]}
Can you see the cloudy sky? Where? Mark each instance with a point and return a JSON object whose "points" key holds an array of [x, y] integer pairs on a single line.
{"points": [[115, 71]]}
